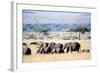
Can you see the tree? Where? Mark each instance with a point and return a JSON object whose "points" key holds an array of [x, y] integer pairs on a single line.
{"points": [[80, 30]]}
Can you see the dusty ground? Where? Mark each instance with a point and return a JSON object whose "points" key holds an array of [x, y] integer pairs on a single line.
{"points": [[85, 44]]}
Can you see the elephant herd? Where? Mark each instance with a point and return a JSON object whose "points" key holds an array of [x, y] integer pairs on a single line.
{"points": [[54, 48], [46, 48]]}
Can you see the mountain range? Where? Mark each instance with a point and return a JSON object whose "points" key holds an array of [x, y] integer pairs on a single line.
{"points": [[54, 27]]}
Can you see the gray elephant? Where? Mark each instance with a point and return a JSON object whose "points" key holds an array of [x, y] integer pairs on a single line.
{"points": [[67, 47], [43, 48], [71, 46], [50, 47], [58, 48], [26, 49], [75, 46]]}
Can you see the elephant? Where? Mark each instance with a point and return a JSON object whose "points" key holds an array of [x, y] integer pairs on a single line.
{"points": [[71, 46], [50, 47], [67, 47], [43, 48], [75, 46], [58, 48], [26, 49], [46, 48]]}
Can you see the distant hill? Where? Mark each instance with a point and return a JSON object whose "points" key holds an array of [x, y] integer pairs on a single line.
{"points": [[54, 27]]}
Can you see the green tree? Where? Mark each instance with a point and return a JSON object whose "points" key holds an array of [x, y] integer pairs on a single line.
{"points": [[81, 30]]}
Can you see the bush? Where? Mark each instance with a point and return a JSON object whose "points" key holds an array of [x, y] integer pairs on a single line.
{"points": [[75, 37], [34, 43], [32, 36], [66, 38]]}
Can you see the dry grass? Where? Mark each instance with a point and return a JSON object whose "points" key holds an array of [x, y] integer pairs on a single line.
{"points": [[85, 44]]}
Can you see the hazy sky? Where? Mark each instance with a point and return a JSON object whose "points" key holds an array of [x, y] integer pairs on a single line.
{"points": [[44, 17]]}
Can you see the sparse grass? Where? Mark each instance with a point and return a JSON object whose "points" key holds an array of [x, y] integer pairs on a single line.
{"points": [[56, 57]]}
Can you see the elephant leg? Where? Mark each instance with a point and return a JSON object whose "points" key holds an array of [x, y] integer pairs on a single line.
{"points": [[42, 51], [38, 51], [67, 50], [53, 51], [58, 50], [78, 50], [71, 49]]}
